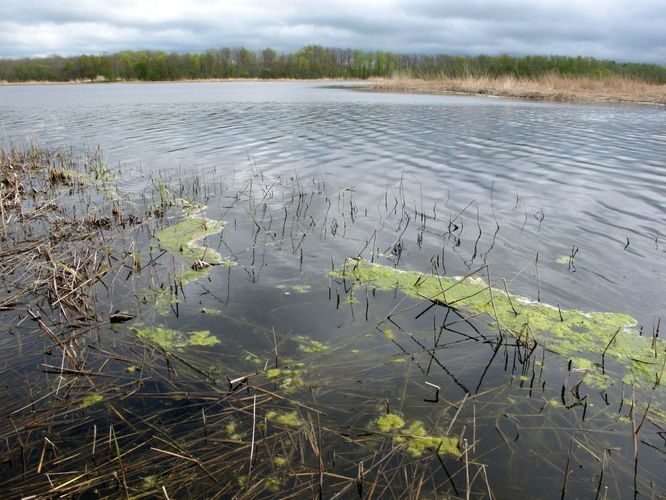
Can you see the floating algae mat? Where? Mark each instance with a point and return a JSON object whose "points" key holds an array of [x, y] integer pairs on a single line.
{"points": [[414, 436], [173, 340], [184, 240], [589, 339], [185, 236]]}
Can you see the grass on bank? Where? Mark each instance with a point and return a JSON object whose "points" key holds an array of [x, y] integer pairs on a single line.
{"points": [[547, 87]]}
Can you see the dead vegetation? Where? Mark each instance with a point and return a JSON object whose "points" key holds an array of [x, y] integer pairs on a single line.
{"points": [[549, 87], [52, 244]]}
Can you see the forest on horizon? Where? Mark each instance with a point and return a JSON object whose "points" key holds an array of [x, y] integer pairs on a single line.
{"points": [[309, 62]]}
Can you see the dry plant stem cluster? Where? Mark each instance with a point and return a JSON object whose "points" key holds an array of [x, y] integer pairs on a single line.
{"points": [[47, 250], [549, 87], [116, 417]]}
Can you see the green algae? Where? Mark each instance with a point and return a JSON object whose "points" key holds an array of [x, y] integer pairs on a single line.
{"points": [[99, 176], [563, 259], [390, 423], [252, 358], [273, 484], [91, 399], [388, 333], [279, 461], [150, 482], [302, 288], [567, 332], [173, 340], [196, 261], [232, 431], [184, 237], [202, 338], [418, 441], [307, 345], [287, 379], [285, 418], [592, 373], [415, 438]]}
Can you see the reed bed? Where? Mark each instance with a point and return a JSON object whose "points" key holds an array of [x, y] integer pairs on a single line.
{"points": [[549, 87]]}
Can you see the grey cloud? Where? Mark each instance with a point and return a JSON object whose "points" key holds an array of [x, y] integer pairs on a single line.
{"points": [[613, 29]]}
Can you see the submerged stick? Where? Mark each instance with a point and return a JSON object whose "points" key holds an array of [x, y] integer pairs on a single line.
{"points": [[254, 426]]}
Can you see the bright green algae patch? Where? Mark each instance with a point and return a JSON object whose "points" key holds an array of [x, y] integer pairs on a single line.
{"points": [[567, 332], [173, 340], [390, 423], [415, 437], [285, 418], [91, 399], [184, 237]]}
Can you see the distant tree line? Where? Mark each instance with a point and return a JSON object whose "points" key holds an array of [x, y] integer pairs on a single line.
{"points": [[311, 61]]}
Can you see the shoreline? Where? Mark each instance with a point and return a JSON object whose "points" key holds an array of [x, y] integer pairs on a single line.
{"points": [[547, 88], [5, 83]]}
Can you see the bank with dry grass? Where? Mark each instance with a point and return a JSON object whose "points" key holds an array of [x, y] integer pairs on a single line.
{"points": [[548, 87]]}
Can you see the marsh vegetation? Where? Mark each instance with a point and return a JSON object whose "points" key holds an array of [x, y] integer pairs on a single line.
{"points": [[549, 87], [270, 336]]}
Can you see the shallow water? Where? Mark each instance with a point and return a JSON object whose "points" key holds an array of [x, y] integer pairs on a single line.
{"points": [[516, 179]]}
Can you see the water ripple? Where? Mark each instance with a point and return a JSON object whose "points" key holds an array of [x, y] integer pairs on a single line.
{"points": [[597, 172]]}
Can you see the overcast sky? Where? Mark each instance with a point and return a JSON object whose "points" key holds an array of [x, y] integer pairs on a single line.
{"points": [[624, 30]]}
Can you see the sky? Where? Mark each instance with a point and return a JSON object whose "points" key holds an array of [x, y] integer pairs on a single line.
{"points": [[621, 30]]}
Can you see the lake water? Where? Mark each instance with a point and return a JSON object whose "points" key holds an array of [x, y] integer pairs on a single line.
{"points": [[468, 182]]}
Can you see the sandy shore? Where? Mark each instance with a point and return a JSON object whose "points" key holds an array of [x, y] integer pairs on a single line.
{"points": [[555, 88]]}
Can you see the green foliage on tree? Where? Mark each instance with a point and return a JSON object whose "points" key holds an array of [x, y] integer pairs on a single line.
{"points": [[312, 61]]}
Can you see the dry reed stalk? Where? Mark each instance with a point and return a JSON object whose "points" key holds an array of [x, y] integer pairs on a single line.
{"points": [[548, 87]]}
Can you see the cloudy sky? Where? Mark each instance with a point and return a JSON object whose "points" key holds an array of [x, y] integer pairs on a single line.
{"points": [[626, 30]]}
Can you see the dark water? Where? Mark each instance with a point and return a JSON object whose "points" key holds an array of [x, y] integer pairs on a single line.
{"points": [[529, 178], [597, 172]]}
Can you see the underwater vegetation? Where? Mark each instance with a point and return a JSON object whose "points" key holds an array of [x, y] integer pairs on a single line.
{"points": [[415, 437], [590, 339], [173, 340], [184, 237]]}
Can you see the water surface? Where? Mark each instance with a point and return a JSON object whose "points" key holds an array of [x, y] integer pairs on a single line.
{"points": [[463, 181]]}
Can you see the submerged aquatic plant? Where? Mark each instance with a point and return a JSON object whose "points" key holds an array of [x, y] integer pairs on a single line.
{"points": [[184, 237], [301, 288], [593, 336], [390, 422], [288, 379], [91, 399], [415, 437], [285, 418], [306, 344], [173, 340]]}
